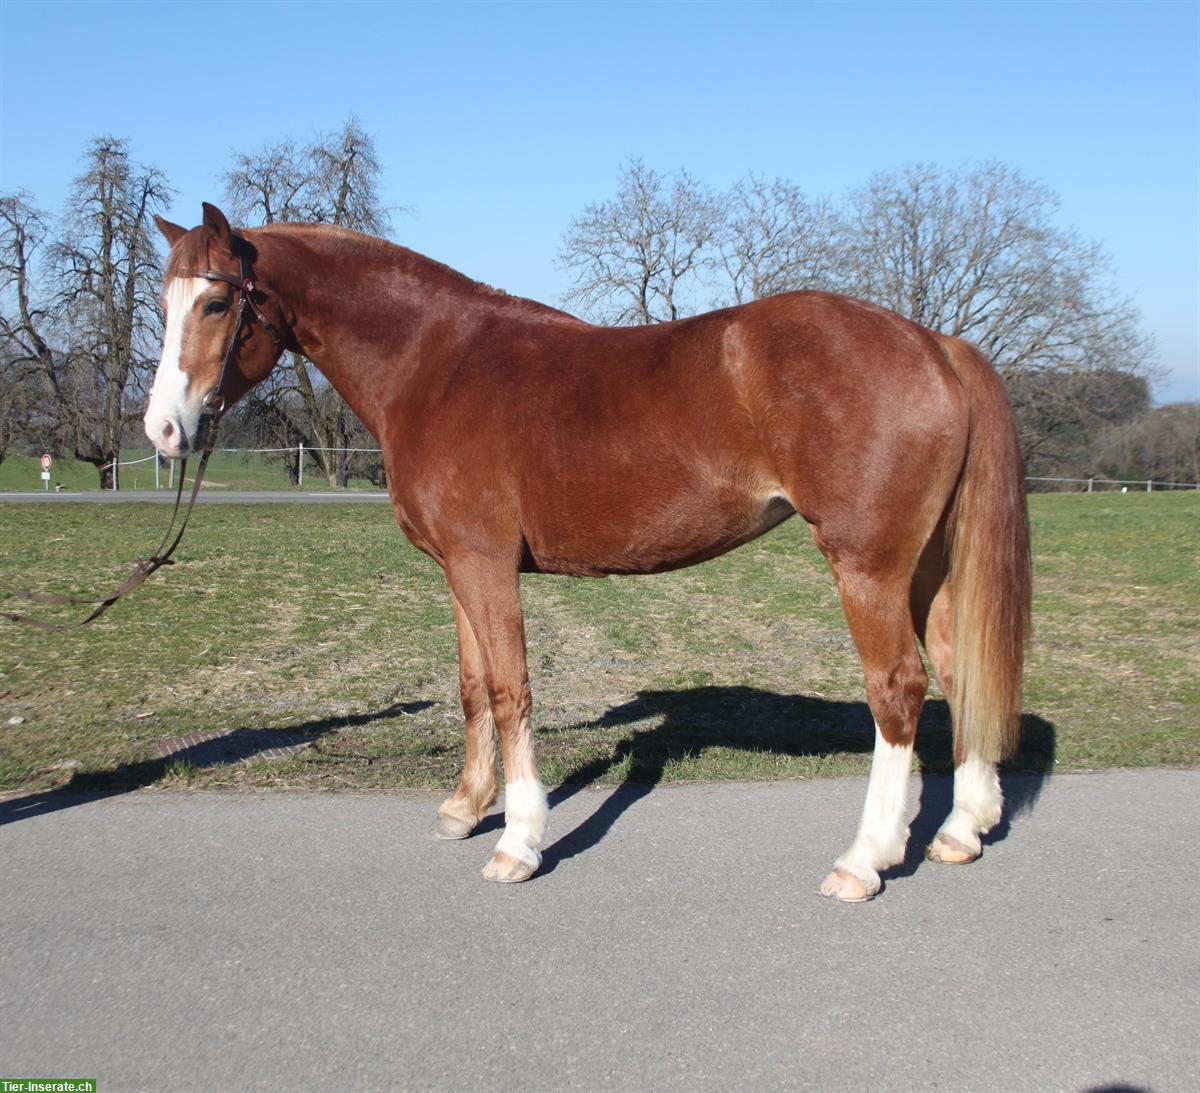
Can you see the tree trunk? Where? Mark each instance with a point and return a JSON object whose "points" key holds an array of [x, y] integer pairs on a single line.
{"points": [[320, 431]]}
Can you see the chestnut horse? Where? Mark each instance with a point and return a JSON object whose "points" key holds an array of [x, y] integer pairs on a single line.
{"points": [[517, 438]]}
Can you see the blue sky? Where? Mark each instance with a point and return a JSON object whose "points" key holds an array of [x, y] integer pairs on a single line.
{"points": [[498, 123]]}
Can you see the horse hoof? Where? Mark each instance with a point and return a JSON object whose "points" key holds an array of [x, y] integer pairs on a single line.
{"points": [[505, 869], [949, 851], [846, 887], [451, 827]]}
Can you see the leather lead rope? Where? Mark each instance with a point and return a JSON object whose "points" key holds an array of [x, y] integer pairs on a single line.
{"points": [[210, 416], [141, 571]]}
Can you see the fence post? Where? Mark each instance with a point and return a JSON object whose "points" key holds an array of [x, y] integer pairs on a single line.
{"points": [[157, 460], [116, 484], [1148, 485], [1090, 481], [300, 464]]}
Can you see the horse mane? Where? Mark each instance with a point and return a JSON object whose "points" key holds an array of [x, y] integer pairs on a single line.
{"points": [[352, 244], [192, 252]]}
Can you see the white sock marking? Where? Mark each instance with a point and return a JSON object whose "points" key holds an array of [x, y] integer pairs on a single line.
{"points": [[978, 802], [525, 815], [882, 832]]}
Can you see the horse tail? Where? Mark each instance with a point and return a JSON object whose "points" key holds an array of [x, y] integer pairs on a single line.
{"points": [[990, 570]]}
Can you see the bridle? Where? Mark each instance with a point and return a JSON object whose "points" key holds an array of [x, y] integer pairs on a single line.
{"points": [[212, 409]]}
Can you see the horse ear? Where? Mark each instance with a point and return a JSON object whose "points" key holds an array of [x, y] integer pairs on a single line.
{"points": [[215, 222], [171, 232]]}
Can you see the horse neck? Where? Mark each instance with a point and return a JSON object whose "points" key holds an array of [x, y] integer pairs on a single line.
{"points": [[366, 311]]}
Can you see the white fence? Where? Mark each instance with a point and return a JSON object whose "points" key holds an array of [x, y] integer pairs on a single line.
{"points": [[1088, 485], [299, 449], [1085, 485]]}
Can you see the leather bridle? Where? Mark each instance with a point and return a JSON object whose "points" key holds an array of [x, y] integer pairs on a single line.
{"points": [[212, 409], [214, 401]]}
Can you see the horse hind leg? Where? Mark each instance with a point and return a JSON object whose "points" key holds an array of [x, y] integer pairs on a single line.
{"points": [[978, 799], [878, 612]]}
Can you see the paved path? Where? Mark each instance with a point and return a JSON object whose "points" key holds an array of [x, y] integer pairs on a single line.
{"points": [[164, 497], [292, 941]]}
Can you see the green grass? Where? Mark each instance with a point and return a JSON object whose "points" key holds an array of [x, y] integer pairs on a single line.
{"points": [[323, 619], [227, 472]]}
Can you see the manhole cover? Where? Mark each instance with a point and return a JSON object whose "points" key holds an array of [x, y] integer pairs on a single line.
{"points": [[210, 748]]}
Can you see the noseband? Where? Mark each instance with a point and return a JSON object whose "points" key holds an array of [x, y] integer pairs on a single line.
{"points": [[211, 411]]}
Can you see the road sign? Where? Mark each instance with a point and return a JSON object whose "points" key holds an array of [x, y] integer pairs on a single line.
{"points": [[46, 461]]}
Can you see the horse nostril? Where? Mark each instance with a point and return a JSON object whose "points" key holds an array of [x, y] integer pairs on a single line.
{"points": [[168, 429]]}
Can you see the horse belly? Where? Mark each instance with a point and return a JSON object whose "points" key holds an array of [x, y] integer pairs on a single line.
{"points": [[595, 539]]}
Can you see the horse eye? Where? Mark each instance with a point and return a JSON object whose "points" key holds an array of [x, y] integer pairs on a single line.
{"points": [[215, 307]]}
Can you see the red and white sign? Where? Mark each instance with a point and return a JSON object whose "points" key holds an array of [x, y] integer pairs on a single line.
{"points": [[46, 461]]}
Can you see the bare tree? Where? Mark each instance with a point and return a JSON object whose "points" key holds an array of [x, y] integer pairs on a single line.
{"points": [[1064, 415], [271, 185], [642, 257], [345, 187], [81, 321], [776, 240], [17, 394], [333, 180], [976, 254], [108, 275], [30, 368]]}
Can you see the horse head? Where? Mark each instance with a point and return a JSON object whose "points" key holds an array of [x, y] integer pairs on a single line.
{"points": [[213, 349]]}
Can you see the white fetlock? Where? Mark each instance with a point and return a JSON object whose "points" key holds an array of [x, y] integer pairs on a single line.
{"points": [[978, 805], [517, 856], [526, 811]]}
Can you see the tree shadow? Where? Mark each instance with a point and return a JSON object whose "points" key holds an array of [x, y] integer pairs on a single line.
{"points": [[689, 721], [242, 743]]}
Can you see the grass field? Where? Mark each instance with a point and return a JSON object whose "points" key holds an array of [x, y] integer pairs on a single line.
{"points": [[323, 620], [227, 472]]}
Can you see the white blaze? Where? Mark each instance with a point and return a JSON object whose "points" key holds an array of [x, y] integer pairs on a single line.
{"points": [[169, 415]]}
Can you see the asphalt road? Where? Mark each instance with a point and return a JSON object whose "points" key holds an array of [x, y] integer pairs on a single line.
{"points": [[165, 497], [675, 941]]}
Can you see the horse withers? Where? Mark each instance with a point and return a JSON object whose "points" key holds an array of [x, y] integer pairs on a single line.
{"points": [[517, 438]]}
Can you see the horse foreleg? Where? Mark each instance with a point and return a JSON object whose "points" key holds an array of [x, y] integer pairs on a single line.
{"points": [[878, 613], [460, 813], [489, 594]]}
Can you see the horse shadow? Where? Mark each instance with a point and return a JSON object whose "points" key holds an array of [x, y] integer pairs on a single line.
{"points": [[242, 743], [682, 723], [686, 722]]}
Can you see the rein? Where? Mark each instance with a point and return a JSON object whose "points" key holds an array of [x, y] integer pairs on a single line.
{"points": [[211, 411]]}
